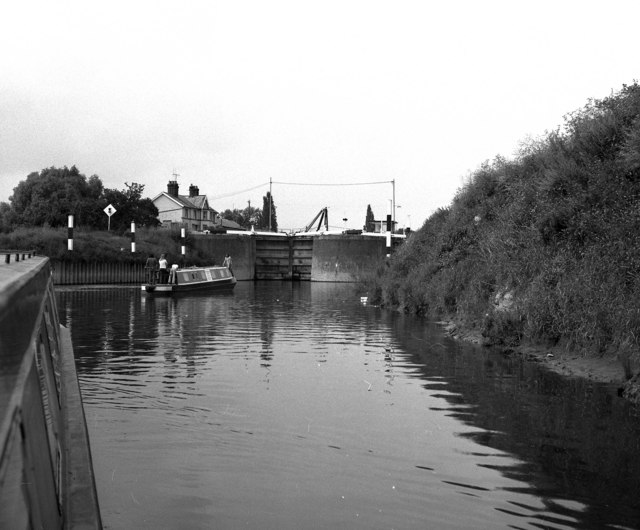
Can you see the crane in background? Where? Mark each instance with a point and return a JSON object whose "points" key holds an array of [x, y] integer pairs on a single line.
{"points": [[322, 217]]}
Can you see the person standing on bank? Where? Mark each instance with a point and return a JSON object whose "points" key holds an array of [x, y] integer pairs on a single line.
{"points": [[227, 263], [151, 266], [164, 268]]}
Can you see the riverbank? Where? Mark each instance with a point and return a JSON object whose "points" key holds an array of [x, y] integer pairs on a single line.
{"points": [[606, 369]]}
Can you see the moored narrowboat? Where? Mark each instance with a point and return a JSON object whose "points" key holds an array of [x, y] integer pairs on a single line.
{"points": [[193, 279]]}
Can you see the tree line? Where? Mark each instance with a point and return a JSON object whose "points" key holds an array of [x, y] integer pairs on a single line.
{"points": [[47, 198], [264, 218]]}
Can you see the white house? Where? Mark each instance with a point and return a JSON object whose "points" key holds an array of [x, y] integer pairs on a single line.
{"points": [[191, 212]]}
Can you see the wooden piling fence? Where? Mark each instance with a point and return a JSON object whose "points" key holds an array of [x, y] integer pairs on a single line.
{"points": [[96, 273]]}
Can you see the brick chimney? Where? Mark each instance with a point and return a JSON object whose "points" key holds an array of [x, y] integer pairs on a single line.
{"points": [[172, 188], [193, 191]]}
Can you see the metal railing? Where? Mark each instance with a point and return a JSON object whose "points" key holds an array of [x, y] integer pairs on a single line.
{"points": [[17, 255]]}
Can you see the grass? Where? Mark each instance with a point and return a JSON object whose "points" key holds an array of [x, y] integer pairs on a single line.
{"points": [[102, 246], [557, 229]]}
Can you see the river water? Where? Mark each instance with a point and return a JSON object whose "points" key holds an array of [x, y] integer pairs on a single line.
{"points": [[294, 406]]}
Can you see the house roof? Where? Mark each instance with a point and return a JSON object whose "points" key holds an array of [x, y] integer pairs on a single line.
{"points": [[230, 225], [198, 201]]}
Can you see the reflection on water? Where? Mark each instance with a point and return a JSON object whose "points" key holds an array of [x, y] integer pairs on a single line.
{"points": [[291, 405]]}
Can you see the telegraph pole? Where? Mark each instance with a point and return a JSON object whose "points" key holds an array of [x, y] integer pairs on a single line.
{"points": [[393, 184]]}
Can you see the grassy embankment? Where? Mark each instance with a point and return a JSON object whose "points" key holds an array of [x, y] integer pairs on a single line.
{"points": [[543, 249], [102, 246]]}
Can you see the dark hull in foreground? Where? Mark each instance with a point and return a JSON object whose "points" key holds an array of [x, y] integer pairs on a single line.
{"points": [[194, 279]]}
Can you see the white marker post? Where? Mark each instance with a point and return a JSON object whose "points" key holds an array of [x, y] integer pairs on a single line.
{"points": [[110, 210], [133, 237]]}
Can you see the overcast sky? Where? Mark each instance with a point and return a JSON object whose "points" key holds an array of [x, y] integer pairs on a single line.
{"points": [[230, 94]]}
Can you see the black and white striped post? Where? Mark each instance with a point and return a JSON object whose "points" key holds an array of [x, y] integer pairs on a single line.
{"points": [[133, 237], [183, 243], [70, 232]]}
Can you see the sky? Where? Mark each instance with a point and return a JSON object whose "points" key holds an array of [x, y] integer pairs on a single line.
{"points": [[326, 103]]}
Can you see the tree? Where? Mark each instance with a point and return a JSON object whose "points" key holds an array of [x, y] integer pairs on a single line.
{"points": [[369, 220], [130, 207], [254, 217], [269, 219], [6, 217], [234, 215], [48, 197], [245, 218]]}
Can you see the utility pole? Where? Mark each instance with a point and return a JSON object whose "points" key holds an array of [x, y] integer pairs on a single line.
{"points": [[393, 220]]}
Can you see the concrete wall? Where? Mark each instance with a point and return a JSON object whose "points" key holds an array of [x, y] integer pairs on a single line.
{"points": [[45, 463], [334, 258], [241, 248], [343, 258], [326, 258]]}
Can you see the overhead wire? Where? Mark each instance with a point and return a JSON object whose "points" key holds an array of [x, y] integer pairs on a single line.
{"points": [[232, 193], [332, 184]]}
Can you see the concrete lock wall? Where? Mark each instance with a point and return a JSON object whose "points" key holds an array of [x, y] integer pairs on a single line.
{"points": [[324, 258], [345, 258], [241, 248], [46, 476]]}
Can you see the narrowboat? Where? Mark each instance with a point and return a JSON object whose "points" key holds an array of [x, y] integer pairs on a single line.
{"points": [[46, 472], [193, 279]]}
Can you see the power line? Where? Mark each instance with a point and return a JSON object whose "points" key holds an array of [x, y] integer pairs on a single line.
{"points": [[231, 194], [330, 184]]}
